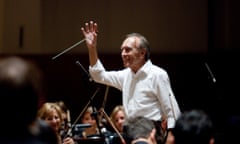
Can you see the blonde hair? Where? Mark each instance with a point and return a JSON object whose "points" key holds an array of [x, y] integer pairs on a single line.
{"points": [[46, 108], [116, 110]]}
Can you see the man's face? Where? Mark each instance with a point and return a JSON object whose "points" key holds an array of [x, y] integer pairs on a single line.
{"points": [[132, 55]]}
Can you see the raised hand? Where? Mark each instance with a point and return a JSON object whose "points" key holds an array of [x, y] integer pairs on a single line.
{"points": [[90, 33]]}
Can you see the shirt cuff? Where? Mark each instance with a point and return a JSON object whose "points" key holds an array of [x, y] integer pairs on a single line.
{"points": [[171, 123]]}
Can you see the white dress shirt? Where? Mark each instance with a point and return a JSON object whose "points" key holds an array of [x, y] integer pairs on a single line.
{"points": [[146, 93]]}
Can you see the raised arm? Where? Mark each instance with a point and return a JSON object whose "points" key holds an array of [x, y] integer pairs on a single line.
{"points": [[90, 33]]}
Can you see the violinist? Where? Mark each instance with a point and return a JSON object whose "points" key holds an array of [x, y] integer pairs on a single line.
{"points": [[52, 114], [66, 122], [118, 117], [88, 118], [94, 133]]}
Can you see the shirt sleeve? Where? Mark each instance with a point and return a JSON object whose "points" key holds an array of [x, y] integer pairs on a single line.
{"points": [[168, 103], [111, 78]]}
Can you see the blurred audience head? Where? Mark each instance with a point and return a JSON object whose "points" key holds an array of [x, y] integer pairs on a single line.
{"points": [[193, 127], [140, 129], [21, 90]]}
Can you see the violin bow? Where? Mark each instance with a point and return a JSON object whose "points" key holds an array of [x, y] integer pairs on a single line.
{"points": [[111, 123]]}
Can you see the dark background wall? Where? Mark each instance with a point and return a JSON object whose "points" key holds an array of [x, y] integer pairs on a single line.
{"points": [[47, 27]]}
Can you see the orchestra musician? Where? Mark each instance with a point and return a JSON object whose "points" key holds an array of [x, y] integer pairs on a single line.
{"points": [[66, 119], [93, 134], [118, 117], [52, 114]]}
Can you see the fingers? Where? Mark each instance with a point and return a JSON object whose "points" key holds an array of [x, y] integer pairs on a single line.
{"points": [[85, 29], [90, 27], [95, 27]]}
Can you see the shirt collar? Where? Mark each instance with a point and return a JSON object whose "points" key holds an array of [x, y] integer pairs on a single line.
{"points": [[144, 69]]}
